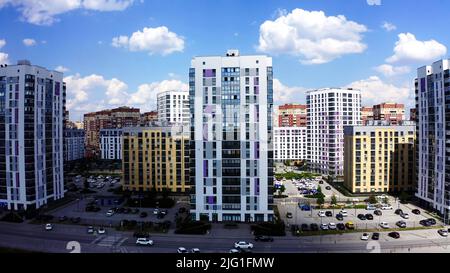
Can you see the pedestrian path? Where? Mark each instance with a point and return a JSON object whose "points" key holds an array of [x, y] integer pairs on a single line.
{"points": [[109, 241]]}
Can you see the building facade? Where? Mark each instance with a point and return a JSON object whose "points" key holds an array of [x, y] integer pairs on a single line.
{"points": [[291, 115], [156, 158], [380, 158], [148, 118], [231, 157], [391, 112], [173, 107], [111, 144], [289, 143], [73, 144], [366, 115], [329, 110], [107, 119], [31, 136], [433, 136], [413, 114]]}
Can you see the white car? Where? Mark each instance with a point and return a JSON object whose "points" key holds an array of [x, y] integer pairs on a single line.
{"points": [[48, 227], [365, 236], [195, 250], [332, 226], [155, 211], [384, 225], [344, 213], [144, 242], [182, 250], [443, 232], [101, 230], [387, 207], [405, 215], [234, 250], [110, 213], [321, 213], [243, 245], [324, 227]]}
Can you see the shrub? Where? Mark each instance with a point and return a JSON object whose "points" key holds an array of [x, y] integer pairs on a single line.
{"points": [[269, 229]]}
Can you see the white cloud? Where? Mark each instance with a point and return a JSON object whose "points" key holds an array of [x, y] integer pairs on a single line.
{"points": [[62, 69], [2, 43], [409, 49], [157, 40], [4, 58], [374, 2], [29, 42], [375, 91], [95, 92], [285, 94], [388, 26], [45, 12], [389, 70], [311, 35]]}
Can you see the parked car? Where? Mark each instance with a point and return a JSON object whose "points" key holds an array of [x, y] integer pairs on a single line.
{"points": [[443, 232], [101, 230], [425, 223], [378, 212], [361, 217], [416, 211], [332, 226], [375, 236], [243, 245], [263, 238], [324, 227], [110, 213], [369, 216], [75, 220], [344, 213], [398, 211], [195, 250], [62, 218], [48, 227], [365, 236], [432, 221], [384, 225], [340, 226], [234, 250], [404, 215], [90, 230], [182, 250], [349, 225], [386, 207], [289, 215], [155, 211], [314, 227], [329, 213], [394, 235], [339, 217], [304, 227], [401, 224], [143, 214], [144, 242], [321, 213]]}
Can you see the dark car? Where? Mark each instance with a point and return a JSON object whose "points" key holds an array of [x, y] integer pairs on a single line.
{"points": [[120, 210], [328, 188], [314, 227], [160, 215], [398, 211], [90, 230], [369, 216], [361, 217], [401, 224], [75, 220], [416, 211], [320, 182], [432, 221], [62, 218], [425, 223], [394, 235], [262, 238], [340, 226], [143, 214], [305, 227], [378, 212], [289, 215], [339, 217], [375, 236], [329, 213]]}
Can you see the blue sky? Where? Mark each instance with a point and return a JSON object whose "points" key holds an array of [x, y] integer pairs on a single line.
{"points": [[77, 36]]}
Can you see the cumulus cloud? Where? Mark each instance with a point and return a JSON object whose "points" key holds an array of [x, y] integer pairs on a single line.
{"points": [[311, 35], [83, 93], [389, 70], [285, 94], [375, 91], [374, 2], [4, 58], [2, 43], [29, 42], [157, 40], [45, 12], [388, 26], [409, 49], [62, 69]]}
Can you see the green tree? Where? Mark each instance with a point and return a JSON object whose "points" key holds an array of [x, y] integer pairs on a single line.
{"points": [[333, 200], [281, 190], [403, 197], [320, 201], [372, 199]]}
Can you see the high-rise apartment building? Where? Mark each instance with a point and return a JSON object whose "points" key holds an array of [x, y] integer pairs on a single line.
{"points": [[289, 143], [156, 158], [148, 118], [379, 157], [433, 136], [111, 144], [392, 112], [173, 107], [291, 115], [31, 136], [366, 115], [329, 110], [231, 157], [73, 144], [107, 119], [413, 114]]}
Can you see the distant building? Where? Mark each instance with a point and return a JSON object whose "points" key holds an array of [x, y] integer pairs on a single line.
{"points": [[329, 110], [289, 143], [74, 144], [413, 114], [291, 115], [31, 143], [366, 114], [156, 158], [173, 107], [433, 138], [392, 112], [107, 119], [111, 144], [379, 157], [148, 118]]}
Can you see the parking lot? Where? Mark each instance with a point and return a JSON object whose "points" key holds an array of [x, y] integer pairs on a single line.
{"points": [[292, 188]]}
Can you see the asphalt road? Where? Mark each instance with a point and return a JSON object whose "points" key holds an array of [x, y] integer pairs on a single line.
{"points": [[35, 238]]}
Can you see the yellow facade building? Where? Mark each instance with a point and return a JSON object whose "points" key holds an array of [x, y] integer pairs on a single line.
{"points": [[155, 158], [379, 158]]}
